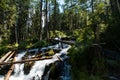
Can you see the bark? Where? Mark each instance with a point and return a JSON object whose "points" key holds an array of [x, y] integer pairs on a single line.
{"points": [[54, 25], [7, 76], [40, 31], [8, 58], [115, 7], [92, 6], [46, 20], [23, 61], [5, 56], [118, 5]]}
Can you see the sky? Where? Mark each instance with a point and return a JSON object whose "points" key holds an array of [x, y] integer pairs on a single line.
{"points": [[61, 3]]}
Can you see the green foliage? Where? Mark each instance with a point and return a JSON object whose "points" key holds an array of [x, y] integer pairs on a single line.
{"points": [[30, 44], [23, 44], [80, 75], [86, 62], [57, 33], [84, 35], [40, 44], [78, 56], [3, 49], [8, 16]]}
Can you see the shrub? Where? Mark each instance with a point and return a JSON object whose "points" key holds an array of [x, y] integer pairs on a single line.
{"points": [[40, 44]]}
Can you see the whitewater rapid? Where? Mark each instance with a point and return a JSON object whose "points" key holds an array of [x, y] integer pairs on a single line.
{"points": [[38, 68]]}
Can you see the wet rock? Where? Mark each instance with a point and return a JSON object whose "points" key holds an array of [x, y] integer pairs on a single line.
{"points": [[111, 78], [4, 69], [56, 70], [47, 69], [27, 67]]}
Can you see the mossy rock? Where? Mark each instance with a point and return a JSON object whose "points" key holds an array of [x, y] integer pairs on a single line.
{"points": [[50, 52], [27, 67], [56, 70]]}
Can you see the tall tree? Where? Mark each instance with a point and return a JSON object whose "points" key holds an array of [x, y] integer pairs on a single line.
{"points": [[23, 7], [41, 13], [46, 20], [7, 20]]}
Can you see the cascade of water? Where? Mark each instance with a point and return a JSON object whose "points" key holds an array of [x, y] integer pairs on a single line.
{"points": [[18, 71], [38, 68], [66, 72], [1, 77]]}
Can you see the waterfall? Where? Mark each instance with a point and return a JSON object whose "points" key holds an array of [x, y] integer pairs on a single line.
{"points": [[38, 68], [18, 71], [1, 77], [66, 72]]}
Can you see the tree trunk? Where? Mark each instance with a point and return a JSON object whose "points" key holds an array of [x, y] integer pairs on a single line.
{"points": [[92, 6], [16, 35], [46, 20], [54, 25], [40, 31], [115, 7], [118, 5]]}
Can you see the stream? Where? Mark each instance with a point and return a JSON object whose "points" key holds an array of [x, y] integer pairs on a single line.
{"points": [[37, 70]]}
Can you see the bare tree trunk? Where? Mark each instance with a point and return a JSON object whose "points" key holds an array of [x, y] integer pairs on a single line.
{"points": [[54, 25], [40, 30], [16, 34], [46, 20], [118, 5], [92, 5], [7, 76], [115, 7]]}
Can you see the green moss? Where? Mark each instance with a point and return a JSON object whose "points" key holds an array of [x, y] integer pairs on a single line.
{"points": [[28, 67], [50, 52]]}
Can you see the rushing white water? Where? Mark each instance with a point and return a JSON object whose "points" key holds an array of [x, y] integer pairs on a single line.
{"points": [[1, 77], [18, 67], [66, 73], [38, 68]]}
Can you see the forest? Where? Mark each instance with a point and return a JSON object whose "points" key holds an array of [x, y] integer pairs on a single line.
{"points": [[94, 25]]}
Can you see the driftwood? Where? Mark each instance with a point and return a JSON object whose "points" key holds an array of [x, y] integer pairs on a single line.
{"points": [[8, 58], [60, 59], [10, 71], [5, 56], [23, 61]]}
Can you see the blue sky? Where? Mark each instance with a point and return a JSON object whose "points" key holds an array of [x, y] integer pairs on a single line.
{"points": [[61, 3]]}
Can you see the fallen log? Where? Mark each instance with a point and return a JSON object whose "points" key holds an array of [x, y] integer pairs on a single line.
{"points": [[60, 59], [63, 41], [7, 76], [23, 61], [5, 56], [8, 58]]}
